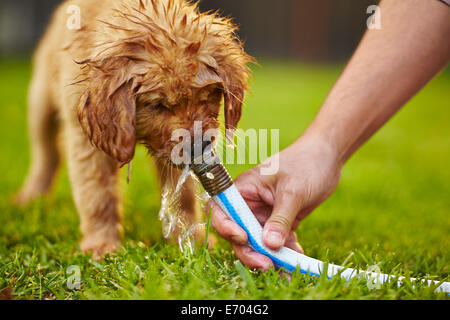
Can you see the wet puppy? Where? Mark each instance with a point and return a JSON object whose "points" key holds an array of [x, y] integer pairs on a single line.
{"points": [[133, 71]]}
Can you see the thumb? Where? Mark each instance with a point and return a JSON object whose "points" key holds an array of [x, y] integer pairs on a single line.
{"points": [[277, 228]]}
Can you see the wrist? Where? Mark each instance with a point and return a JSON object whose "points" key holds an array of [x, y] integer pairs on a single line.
{"points": [[322, 146]]}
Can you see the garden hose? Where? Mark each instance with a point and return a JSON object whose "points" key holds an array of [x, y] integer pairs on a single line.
{"points": [[219, 185]]}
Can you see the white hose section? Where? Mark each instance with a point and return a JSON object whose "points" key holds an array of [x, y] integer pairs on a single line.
{"points": [[237, 209]]}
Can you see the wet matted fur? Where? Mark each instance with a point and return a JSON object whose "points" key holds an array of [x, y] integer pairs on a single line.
{"points": [[133, 72]]}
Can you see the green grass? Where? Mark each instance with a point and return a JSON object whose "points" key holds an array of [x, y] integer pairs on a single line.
{"points": [[391, 208]]}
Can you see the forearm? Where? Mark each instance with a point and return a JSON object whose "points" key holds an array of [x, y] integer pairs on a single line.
{"points": [[389, 67]]}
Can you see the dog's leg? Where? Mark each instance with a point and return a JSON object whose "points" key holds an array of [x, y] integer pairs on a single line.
{"points": [[43, 129], [94, 177], [189, 202]]}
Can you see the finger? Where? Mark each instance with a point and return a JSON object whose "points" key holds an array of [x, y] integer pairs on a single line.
{"points": [[226, 227], [251, 258], [277, 228], [292, 243]]}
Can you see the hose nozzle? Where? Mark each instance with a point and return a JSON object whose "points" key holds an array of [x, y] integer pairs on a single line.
{"points": [[211, 172]]}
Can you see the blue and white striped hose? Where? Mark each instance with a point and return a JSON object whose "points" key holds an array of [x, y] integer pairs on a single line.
{"points": [[235, 206]]}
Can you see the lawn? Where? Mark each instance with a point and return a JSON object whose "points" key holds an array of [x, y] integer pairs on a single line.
{"points": [[391, 208]]}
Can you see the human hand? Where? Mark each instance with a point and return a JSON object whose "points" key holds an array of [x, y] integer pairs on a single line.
{"points": [[308, 174]]}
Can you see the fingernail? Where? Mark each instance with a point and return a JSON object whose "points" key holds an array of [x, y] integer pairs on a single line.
{"points": [[275, 238]]}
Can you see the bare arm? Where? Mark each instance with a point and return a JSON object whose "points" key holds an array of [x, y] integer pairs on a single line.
{"points": [[389, 67]]}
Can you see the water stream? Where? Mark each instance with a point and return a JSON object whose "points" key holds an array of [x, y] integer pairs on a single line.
{"points": [[172, 216]]}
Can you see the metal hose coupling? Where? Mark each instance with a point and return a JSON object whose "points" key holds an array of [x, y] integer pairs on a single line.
{"points": [[211, 173]]}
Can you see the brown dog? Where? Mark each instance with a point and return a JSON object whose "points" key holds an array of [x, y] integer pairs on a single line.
{"points": [[132, 72]]}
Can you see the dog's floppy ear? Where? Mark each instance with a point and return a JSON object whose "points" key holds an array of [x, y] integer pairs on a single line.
{"points": [[107, 111]]}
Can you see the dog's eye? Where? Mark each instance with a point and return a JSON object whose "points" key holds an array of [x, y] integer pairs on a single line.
{"points": [[215, 95], [218, 91], [159, 107]]}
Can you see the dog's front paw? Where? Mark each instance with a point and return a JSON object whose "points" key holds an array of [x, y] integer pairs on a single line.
{"points": [[99, 247]]}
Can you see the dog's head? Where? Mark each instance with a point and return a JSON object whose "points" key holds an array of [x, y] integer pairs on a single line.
{"points": [[161, 66]]}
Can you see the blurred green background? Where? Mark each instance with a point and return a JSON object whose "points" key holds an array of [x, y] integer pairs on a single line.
{"points": [[391, 208]]}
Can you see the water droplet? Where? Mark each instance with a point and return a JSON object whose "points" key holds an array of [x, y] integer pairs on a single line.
{"points": [[182, 179], [229, 137]]}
